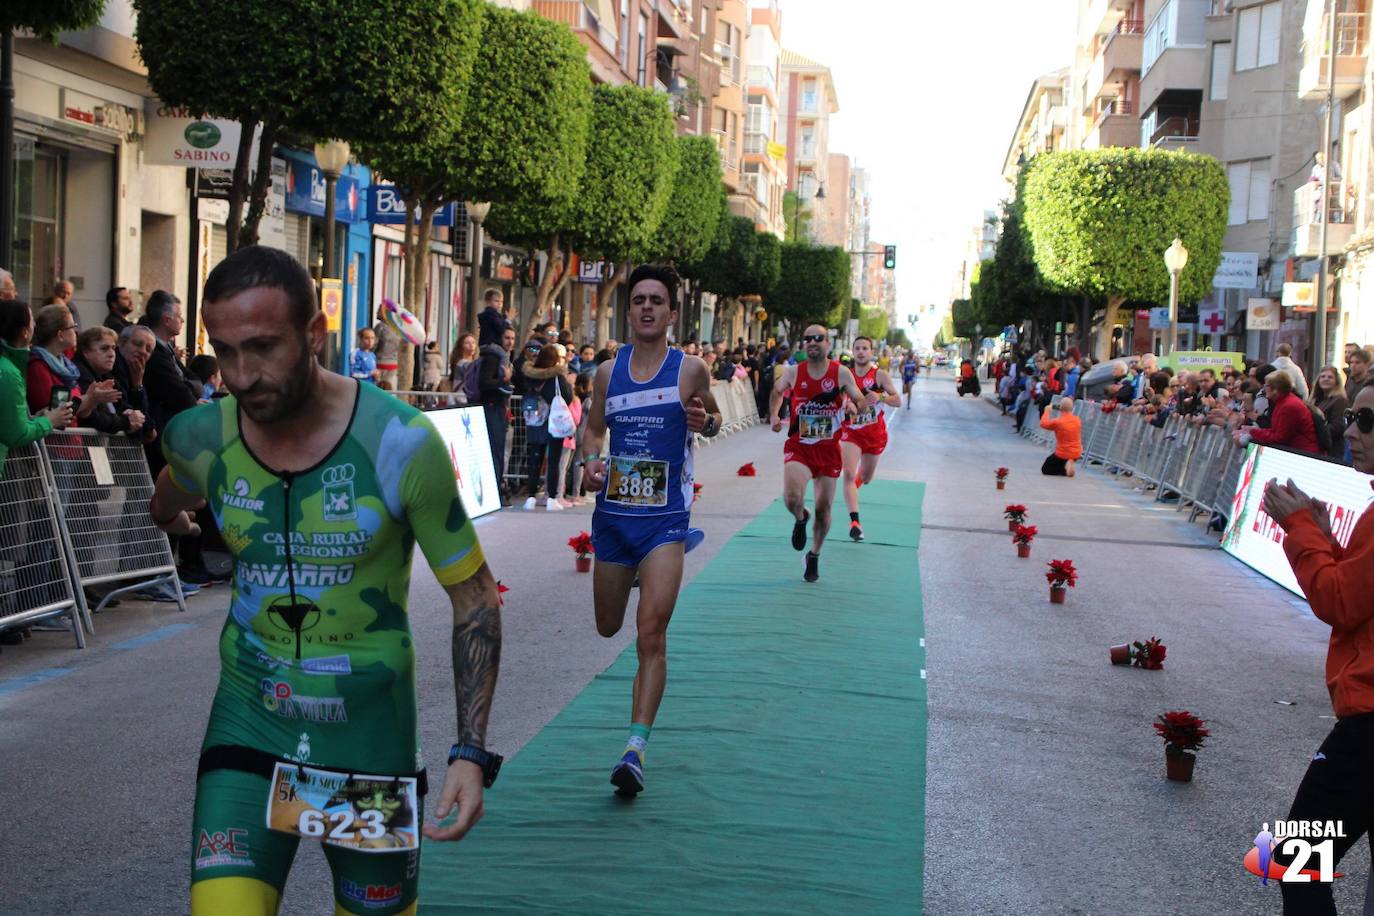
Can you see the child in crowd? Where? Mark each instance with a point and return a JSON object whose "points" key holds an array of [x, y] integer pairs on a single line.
{"points": [[363, 362], [206, 368]]}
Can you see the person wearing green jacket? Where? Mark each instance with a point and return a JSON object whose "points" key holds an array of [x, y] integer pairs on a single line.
{"points": [[16, 426]]}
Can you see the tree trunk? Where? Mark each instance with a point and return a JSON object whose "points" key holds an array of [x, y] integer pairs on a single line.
{"points": [[1084, 329], [603, 301], [238, 188], [262, 183], [413, 256], [1104, 344]]}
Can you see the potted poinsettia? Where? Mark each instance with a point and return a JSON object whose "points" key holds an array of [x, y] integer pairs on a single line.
{"points": [[1183, 733], [1022, 537], [1015, 514], [582, 551], [1002, 478], [1062, 576], [747, 470], [1148, 654]]}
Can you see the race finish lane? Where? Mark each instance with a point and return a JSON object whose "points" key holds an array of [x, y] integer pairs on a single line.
{"points": [[786, 771]]}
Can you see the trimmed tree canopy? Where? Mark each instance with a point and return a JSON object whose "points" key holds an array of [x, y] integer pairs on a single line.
{"points": [[632, 160], [745, 264], [1100, 220], [694, 209], [45, 18], [813, 286], [524, 131]]}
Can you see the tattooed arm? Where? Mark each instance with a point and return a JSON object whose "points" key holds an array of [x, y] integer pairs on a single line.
{"points": [[476, 663]]}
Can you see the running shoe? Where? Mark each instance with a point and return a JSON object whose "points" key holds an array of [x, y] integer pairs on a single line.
{"points": [[628, 775], [799, 531], [813, 567], [531, 504], [553, 505], [855, 532]]}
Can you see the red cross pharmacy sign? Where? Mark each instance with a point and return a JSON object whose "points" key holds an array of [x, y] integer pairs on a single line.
{"points": [[1213, 321]]}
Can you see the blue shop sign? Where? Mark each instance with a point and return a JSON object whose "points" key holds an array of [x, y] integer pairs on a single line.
{"points": [[385, 207], [305, 189]]}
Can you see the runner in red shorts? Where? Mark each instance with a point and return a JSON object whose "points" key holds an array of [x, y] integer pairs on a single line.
{"points": [[817, 388], [864, 434]]}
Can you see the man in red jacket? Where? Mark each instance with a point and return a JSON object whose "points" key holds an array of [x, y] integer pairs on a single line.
{"points": [[1291, 425], [1339, 585]]}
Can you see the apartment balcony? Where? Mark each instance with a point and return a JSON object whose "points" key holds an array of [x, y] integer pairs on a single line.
{"points": [[576, 15], [809, 105], [762, 79], [1117, 59], [1115, 125], [1352, 36], [806, 155], [1307, 219], [1101, 18], [1176, 133], [1177, 70]]}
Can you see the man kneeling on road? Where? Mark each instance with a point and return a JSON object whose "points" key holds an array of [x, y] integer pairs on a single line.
{"points": [[1068, 439]]}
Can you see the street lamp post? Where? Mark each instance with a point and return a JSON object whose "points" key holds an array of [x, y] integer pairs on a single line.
{"points": [[1175, 258], [332, 157], [477, 212]]}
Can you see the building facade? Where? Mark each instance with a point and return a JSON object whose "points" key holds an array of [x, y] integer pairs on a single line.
{"points": [[809, 99], [764, 175]]}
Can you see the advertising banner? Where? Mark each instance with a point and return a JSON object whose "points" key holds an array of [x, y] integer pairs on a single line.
{"points": [[386, 207], [305, 190], [1262, 315], [1159, 319], [177, 137], [1237, 270], [1197, 360], [464, 431], [1256, 539], [1300, 295]]}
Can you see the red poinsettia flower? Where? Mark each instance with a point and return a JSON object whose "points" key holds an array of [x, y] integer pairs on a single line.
{"points": [[581, 544], [747, 470], [1015, 513], [1108, 406], [1181, 730], [502, 589], [1150, 654], [1002, 473], [696, 492], [1024, 534], [1062, 573]]}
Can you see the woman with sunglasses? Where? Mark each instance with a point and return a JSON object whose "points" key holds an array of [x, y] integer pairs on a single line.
{"points": [[1338, 582]]}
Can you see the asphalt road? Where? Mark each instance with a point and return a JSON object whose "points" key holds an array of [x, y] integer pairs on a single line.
{"points": [[1046, 791]]}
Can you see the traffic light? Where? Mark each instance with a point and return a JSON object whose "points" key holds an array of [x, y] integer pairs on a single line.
{"points": [[890, 256]]}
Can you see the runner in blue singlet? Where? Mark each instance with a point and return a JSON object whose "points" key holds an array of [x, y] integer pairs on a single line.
{"points": [[652, 400]]}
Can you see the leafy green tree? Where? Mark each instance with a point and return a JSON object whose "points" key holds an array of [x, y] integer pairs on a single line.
{"points": [[796, 217], [872, 322], [46, 18], [689, 224], [381, 71], [898, 338], [813, 287], [1100, 220], [526, 164], [964, 318]]}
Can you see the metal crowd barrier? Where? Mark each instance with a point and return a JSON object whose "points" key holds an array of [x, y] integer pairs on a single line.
{"points": [[738, 409], [103, 488], [74, 514], [35, 576], [1196, 464]]}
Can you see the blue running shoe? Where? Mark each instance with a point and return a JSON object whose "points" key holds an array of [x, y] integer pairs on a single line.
{"points": [[628, 775]]}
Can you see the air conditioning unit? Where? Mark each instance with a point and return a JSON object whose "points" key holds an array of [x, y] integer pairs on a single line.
{"points": [[724, 51]]}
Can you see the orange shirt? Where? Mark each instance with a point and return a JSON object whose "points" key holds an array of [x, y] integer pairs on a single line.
{"points": [[1339, 585], [1068, 435]]}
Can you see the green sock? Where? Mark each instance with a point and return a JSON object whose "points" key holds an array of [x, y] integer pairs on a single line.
{"points": [[639, 738]]}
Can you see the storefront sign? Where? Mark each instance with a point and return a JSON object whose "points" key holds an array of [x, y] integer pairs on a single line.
{"points": [[1262, 315], [177, 136], [464, 431], [305, 190], [1256, 539], [503, 265], [386, 207], [1300, 295], [1159, 319], [99, 114], [591, 271], [1212, 321], [272, 226], [331, 302], [1237, 270], [214, 183], [776, 151], [213, 210]]}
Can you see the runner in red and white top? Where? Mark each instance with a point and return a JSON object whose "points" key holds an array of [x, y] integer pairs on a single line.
{"points": [[864, 434], [817, 388]]}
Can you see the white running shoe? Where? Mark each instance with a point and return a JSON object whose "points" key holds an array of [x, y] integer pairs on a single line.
{"points": [[530, 504], [554, 506]]}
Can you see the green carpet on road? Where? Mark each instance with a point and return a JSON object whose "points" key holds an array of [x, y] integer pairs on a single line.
{"points": [[787, 769]]}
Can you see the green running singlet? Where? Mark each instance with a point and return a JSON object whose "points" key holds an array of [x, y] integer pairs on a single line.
{"points": [[317, 662]]}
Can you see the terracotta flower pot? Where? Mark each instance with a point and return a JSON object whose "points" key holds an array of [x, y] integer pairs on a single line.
{"points": [[1121, 655], [1179, 767], [583, 564], [1023, 551], [1057, 593], [1011, 526], [1001, 484]]}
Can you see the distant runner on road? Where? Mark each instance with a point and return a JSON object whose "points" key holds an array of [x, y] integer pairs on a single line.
{"points": [[321, 487], [817, 388], [652, 400], [910, 369], [863, 438]]}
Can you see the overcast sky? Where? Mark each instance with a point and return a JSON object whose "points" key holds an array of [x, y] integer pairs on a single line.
{"points": [[929, 96]]}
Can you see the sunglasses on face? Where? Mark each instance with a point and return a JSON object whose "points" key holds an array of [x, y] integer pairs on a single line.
{"points": [[1363, 418], [813, 338]]}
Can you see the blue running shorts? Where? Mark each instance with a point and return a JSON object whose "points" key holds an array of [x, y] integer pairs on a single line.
{"points": [[626, 540]]}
